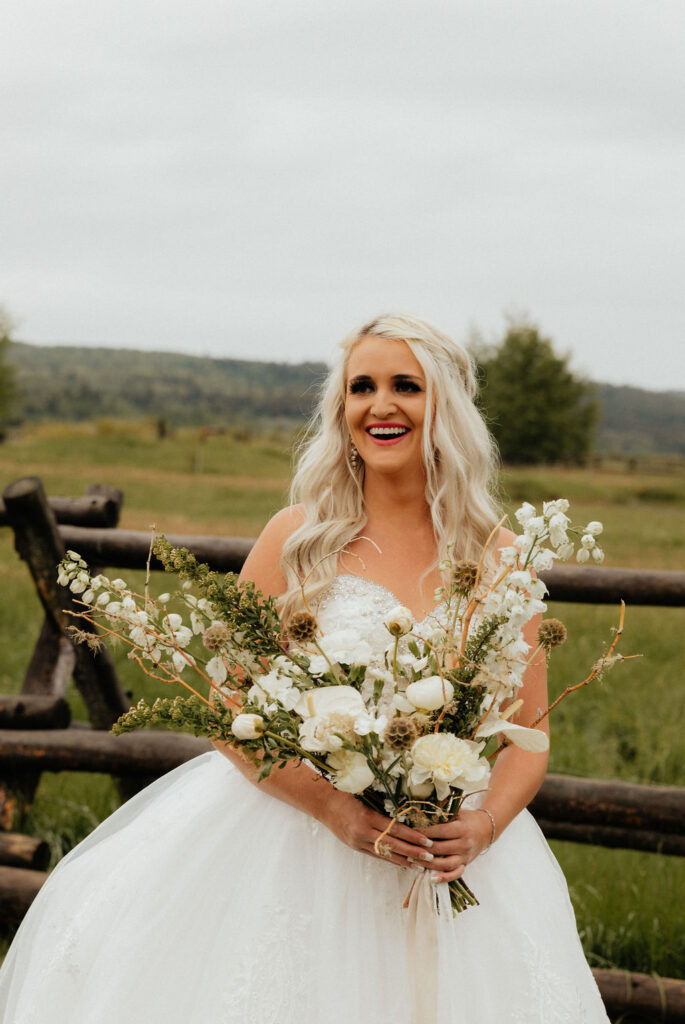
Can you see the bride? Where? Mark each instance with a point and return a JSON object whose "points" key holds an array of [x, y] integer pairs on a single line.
{"points": [[211, 898]]}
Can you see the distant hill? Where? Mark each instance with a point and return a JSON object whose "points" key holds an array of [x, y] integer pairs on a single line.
{"points": [[70, 383]]}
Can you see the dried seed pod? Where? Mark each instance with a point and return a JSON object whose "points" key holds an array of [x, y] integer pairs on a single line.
{"points": [[464, 576], [302, 627], [215, 637], [401, 733], [551, 633]]}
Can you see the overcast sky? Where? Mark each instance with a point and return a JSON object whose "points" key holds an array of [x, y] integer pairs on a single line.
{"points": [[253, 179]]}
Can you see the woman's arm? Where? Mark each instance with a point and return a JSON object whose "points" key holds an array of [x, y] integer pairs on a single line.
{"points": [[298, 784]]}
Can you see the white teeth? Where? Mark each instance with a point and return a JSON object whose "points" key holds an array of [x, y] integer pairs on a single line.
{"points": [[387, 431]]}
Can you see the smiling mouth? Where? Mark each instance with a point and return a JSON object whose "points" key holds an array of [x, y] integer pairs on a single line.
{"points": [[387, 432]]}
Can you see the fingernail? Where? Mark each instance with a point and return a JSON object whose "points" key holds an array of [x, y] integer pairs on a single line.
{"points": [[427, 841], [427, 856], [435, 877]]}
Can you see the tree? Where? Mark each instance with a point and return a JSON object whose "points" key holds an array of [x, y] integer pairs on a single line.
{"points": [[7, 391], [536, 408]]}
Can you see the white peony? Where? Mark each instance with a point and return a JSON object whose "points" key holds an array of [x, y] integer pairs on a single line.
{"points": [[351, 771], [446, 761], [430, 694], [248, 727], [343, 646]]}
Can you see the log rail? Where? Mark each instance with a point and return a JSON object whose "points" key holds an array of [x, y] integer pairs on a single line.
{"points": [[35, 735]]}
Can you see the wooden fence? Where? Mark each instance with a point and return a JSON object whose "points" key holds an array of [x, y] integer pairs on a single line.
{"points": [[36, 733]]}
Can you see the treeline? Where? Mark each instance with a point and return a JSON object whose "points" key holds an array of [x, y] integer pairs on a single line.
{"points": [[79, 383], [65, 383]]}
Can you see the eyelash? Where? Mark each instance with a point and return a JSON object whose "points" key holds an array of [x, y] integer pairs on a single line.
{"points": [[361, 387]]}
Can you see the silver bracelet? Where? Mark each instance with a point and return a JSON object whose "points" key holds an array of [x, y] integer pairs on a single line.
{"points": [[492, 823]]}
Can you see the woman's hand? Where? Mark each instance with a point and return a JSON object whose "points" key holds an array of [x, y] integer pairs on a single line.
{"points": [[457, 843], [359, 827]]}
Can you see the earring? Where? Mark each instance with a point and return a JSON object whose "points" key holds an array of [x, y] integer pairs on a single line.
{"points": [[354, 456]]}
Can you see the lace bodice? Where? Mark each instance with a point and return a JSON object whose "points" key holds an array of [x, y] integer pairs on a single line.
{"points": [[352, 602], [358, 604]]}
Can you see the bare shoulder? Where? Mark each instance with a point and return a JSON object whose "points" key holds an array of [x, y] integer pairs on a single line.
{"points": [[505, 538], [262, 565]]}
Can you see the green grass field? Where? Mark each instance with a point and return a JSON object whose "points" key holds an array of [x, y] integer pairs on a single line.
{"points": [[628, 726]]}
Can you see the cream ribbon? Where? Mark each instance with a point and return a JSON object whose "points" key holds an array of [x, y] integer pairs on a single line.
{"points": [[422, 950]]}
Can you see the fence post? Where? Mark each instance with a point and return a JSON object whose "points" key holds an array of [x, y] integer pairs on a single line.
{"points": [[39, 544]]}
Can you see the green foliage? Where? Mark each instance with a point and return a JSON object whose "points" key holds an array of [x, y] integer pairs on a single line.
{"points": [[7, 383], [251, 617], [64, 382], [537, 410]]}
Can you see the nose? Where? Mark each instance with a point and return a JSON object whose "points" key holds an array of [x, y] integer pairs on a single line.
{"points": [[383, 403]]}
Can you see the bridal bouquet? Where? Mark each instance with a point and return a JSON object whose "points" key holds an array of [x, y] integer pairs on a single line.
{"points": [[405, 731]]}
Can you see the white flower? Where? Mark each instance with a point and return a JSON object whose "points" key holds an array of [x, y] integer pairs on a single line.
{"points": [[534, 740], [543, 560], [565, 550], [103, 599], [582, 555], [216, 670], [164, 598], [598, 555], [525, 513], [88, 596], [278, 687], [179, 661], [366, 723], [399, 621], [344, 646], [588, 541], [430, 694], [325, 699], [551, 508], [351, 771], [248, 727], [595, 528], [557, 529], [447, 761], [77, 586], [508, 556]]}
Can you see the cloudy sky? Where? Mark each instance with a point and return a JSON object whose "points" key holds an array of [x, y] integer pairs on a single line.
{"points": [[253, 178]]}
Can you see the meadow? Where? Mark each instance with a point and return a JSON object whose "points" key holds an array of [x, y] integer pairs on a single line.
{"points": [[628, 726]]}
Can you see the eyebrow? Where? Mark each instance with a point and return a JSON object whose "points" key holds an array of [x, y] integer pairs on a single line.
{"points": [[396, 376]]}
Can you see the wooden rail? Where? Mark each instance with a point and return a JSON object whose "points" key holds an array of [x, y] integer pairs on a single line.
{"points": [[128, 549], [96, 508]]}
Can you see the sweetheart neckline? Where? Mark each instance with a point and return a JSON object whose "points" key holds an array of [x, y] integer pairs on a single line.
{"points": [[386, 590]]}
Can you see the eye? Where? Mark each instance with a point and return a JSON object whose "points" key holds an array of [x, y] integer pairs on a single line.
{"points": [[408, 387], [360, 387]]}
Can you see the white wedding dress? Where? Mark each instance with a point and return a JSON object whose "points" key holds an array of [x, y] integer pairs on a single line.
{"points": [[203, 900]]}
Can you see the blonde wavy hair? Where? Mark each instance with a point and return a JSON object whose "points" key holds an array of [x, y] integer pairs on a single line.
{"points": [[459, 456]]}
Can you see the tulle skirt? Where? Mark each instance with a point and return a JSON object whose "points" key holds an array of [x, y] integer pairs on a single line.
{"points": [[204, 900]]}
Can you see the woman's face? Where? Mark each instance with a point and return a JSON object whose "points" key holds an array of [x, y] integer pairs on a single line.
{"points": [[385, 404]]}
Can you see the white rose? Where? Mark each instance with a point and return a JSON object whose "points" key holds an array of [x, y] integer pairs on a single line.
{"points": [[399, 621], [448, 761], [430, 694], [248, 727], [351, 771]]}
